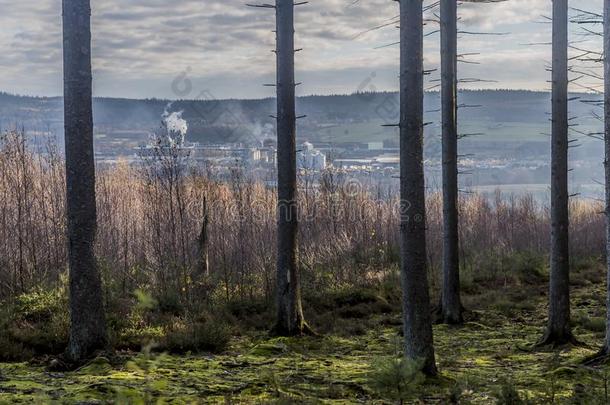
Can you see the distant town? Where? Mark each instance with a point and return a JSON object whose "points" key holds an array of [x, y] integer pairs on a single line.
{"points": [[504, 144]]}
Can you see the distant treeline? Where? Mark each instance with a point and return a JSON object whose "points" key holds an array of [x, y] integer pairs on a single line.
{"points": [[214, 120]]}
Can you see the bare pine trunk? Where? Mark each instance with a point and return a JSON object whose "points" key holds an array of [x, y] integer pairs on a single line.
{"points": [[419, 343], [204, 249], [606, 348], [87, 326], [451, 305], [558, 329], [290, 319]]}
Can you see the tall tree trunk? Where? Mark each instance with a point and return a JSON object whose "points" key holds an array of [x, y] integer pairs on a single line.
{"points": [[203, 268], [451, 305], [558, 328], [419, 343], [290, 320], [87, 319], [606, 348]]}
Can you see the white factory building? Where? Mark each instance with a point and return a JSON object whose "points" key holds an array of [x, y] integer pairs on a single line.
{"points": [[309, 158]]}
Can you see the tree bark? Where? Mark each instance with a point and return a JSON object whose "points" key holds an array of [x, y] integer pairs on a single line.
{"points": [[558, 329], [606, 348], [203, 270], [419, 343], [451, 304], [290, 320], [87, 318], [201, 274]]}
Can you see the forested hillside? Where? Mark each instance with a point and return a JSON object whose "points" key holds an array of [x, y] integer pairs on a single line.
{"points": [[496, 115]]}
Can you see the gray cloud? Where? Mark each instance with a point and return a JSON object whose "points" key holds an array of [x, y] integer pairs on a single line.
{"points": [[141, 46]]}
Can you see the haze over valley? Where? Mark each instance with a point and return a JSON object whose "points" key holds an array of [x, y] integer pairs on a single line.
{"points": [[504, 141]]}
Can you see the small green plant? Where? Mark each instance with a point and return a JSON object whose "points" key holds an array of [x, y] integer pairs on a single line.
{"points": [[529, 267], [40, 305], [145, 301], [396, 378], [508, 394], [36, 323], [11, 350], [169, 303], [460, 392], [135, 329], [554, 364], [146, 364], [582, 395], [210, 336], [591, 323], [274, 383]]}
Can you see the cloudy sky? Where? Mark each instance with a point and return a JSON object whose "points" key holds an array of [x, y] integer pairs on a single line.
{"points": [[182, 48]]}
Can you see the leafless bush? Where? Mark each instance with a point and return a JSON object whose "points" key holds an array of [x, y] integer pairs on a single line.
{"points": [[150, 218]]}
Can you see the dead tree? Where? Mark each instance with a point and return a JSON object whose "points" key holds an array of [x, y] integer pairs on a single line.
{"points": [[419, 343], [606, 19], [290, 320], [87, 320], [201, 272], [558, 329], [451, 305], [203, 269]]}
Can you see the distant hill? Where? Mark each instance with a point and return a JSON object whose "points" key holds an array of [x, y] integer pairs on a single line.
{"points": [[501, 116]]}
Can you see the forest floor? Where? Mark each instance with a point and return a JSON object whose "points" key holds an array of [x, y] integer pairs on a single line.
{"points": [[488, 360]]}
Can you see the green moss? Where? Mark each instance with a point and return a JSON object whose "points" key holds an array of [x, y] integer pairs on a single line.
{"points": [[36, 323], [488, 359]]}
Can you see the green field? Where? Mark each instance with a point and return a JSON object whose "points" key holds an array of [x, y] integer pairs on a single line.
{"points": [[484, 130]]}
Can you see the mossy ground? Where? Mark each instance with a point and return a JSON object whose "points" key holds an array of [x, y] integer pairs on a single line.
{"points": [[491, 352]]}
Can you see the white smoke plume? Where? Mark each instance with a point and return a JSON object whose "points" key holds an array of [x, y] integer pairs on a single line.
{"points": [[176, 126], [259, 133]]}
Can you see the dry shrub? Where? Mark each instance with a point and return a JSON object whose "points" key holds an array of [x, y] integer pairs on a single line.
{"points": [[150, 217]]}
